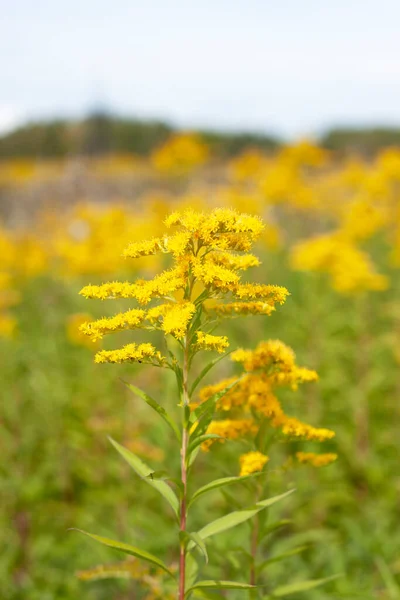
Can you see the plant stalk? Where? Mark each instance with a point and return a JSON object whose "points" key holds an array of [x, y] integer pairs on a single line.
{"points": [[183, 510]]}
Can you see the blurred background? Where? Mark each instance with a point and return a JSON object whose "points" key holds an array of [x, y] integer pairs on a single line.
{"points": [[112, 116]]}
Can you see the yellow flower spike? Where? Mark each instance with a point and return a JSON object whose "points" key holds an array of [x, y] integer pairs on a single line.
{"points": [[232, 309], [267, 353], [144, 248], [273, 294], [112, 290], [292, 427], [174, 317], [206, 341], [239, 262], [252, 462], [128, 320], [74, 331], [178, 244], [130, 353], [229, 429], [211, 274], [205, 265], [316, 460]]}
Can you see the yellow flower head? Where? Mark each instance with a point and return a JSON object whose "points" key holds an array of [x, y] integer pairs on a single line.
{"points": [[252, 462], [130, 353], [128, 320], [207, 264], [205, 341]]}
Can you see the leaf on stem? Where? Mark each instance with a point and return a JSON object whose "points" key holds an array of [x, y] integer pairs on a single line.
{"points": [[211, 584], [145, 472], [128, 549], [237, 517], [301, 586], [198, 542]]}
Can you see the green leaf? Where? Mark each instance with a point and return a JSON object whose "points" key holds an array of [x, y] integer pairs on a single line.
{"points": [[237, 517], [196, 539], [211, 584], [193, 456], [301, 586], [157, 407], [206, 370], [144, 473], [280, 557], [127, 549], [217, 483]]}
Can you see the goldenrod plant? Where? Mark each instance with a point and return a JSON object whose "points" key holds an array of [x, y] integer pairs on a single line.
{"points": [[186, 302], [250, 412]]}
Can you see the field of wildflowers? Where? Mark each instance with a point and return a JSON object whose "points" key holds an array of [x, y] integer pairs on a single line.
{"points": [[232, 422]]}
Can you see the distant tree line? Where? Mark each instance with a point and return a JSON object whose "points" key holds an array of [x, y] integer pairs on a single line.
{"points": [[101, 133]]}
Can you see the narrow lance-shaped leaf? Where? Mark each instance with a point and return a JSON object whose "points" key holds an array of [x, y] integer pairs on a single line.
{"points": [[145, 472], [220, 585], [237, 517], [198, 542], [218, 483], [157, 407], [128, 549], [301, 586]]}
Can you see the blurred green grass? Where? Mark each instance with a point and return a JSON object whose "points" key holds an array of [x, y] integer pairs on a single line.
{"points": [[59, 470]]}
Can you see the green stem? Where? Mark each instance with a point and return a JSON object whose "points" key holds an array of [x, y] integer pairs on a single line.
{"points": [[183, 505]]}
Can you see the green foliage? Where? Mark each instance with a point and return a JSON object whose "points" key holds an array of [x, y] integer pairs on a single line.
{"points": [[146, 473], [57, 470], [127, 549], [237, 517]]}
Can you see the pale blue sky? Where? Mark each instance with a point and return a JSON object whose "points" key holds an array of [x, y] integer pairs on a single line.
{"points": [[293, 67]]}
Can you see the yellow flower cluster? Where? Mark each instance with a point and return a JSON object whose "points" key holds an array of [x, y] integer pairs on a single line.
{"points": [[180, 154], [252, 462], [279, 362], [230, 429], [74, 331], [128, 320], [131, 353], [233, 309], [205, 341], [294, 428], [206, 265], [172, 318], [350, 269], [253, 398], [316, 460]]}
